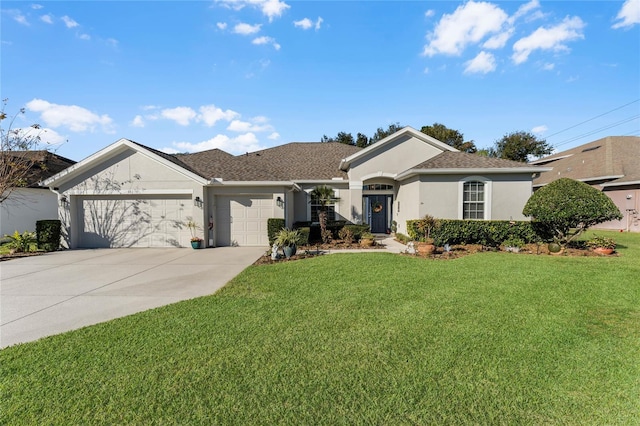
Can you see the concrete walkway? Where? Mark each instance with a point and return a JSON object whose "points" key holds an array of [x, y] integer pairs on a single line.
{"points": [[389, 243], [62, 291]]}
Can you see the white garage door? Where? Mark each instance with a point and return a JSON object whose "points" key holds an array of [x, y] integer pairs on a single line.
{"points": [[242, 219], [146, 221]]}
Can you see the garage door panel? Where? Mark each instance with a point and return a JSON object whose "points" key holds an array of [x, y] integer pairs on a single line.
{"points": [[125, 222], [242, 219]]}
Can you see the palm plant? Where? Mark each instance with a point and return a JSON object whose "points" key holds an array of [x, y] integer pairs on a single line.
{"points": [[323, 196]]}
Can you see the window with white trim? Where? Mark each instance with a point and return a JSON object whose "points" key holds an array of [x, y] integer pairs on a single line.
{"points": [[315, 209], [473, 200]]}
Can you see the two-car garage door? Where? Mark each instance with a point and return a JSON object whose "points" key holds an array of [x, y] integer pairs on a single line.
{"points": [[242, 219], [143, 221]]}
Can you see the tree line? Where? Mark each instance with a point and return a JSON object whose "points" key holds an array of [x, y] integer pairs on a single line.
{"points": [[518, 146]]}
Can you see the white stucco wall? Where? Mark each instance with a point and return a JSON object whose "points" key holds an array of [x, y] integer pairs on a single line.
{"points": [[393, 158], [25, 207]]}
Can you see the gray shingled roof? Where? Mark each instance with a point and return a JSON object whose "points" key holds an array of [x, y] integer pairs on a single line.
{"points": [[292, 161], [463, 160], [615, 157], [42, 164]]}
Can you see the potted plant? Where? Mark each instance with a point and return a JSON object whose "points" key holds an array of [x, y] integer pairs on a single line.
{"points": [[425, 225], [367, 239], [513, 244], [602, 245], [288, 239], [196, 241]]}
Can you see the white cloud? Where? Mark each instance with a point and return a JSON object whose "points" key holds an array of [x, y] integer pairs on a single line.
{"points": [[270, 8], [629, 14], [274, 136], [238, 145], [37, 6], [47, 19], [210, 114], [222, 25], [468, 24], [498, 41], [429, 13], [539, 129], [137, 121], [483, 63], [266, 40], [258, 124], [548, 66], [19, 17], [524, 9], [181, 115], [47, 136], [553, 38], [307, 23], [84, 36], [69, 22], [246, 29], [73, 117], [112, 42]]}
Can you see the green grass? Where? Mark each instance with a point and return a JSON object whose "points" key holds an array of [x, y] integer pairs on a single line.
{"points": [[372, 338]]}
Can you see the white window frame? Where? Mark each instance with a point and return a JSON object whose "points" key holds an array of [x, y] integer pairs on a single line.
{"points": [[310, 204], [487, 195]]}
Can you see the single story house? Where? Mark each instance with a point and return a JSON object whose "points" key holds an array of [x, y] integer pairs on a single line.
{"points": [[30, 202], [130, 195], [611, 165]]}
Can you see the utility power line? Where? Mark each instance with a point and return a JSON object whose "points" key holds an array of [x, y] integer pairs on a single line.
{"points": [[609, 126]]}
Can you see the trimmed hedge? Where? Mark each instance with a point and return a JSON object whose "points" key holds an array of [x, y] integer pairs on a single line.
{"points": [[48, 234], [489, 233], [274, 225]]}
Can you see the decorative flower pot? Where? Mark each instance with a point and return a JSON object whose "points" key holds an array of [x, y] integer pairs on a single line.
{"points": [[554, 248], [289, 251], [603, 251], [195, 244], [427, 249]]}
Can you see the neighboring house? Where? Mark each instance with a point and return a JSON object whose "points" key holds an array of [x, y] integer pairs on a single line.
{"points": [[610, 164], [30, 202], [131, 195]]}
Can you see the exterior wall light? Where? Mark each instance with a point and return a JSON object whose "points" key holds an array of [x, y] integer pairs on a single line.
{"points": [[198, 202], [279, 202]]}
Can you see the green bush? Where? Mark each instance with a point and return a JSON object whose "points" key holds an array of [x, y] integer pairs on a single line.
{"points": [[274, 225], [486, 232], [48, 234], [304, 234], [566, 208], [21, 243], [357, 230]]}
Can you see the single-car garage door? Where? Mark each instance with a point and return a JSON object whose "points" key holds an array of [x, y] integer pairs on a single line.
{"points": [[123, 221], [242, 219]]}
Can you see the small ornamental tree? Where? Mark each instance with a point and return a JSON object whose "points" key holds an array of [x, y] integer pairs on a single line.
{"points": [[566, 208], [323, 196]]}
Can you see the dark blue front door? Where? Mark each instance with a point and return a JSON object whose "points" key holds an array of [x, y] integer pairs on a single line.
{"points": [[378, 213]]}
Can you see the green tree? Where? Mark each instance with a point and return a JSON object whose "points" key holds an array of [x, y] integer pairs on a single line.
{"points": [[449, 136], [362, 140], [341, 137], [323, 196], [382, 133], [565, 208], [519, 146]]}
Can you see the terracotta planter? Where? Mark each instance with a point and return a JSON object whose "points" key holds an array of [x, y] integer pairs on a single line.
{"points": [[427, 249], [603, 251]]}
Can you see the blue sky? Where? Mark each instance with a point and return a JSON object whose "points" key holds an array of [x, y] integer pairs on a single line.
{"points": [[245, 75]]}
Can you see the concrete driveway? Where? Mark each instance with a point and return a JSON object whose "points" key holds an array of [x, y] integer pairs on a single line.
{"points": [[61, 291]]}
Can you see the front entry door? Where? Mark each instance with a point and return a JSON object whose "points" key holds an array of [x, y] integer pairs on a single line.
{"points": [[379, 215]]}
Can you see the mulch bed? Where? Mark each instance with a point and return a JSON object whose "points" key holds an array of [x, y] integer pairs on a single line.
{"points": [[4, 257], [457, 251]]}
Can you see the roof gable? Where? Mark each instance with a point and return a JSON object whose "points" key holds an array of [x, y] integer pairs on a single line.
{"points": [[383, 144], [114, 149]]}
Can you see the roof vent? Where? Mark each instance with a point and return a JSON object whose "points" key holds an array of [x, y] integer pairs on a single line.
{"points": [[593, 148]]}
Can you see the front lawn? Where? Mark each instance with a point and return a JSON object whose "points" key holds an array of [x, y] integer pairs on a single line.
{"points": [[367, 338]]}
